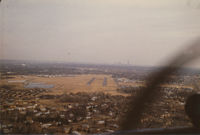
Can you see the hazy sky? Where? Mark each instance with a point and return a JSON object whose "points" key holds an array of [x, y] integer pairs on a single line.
{"points": [[141, 32]]}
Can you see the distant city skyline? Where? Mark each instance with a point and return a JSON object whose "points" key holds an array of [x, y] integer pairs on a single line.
{"points": [[135, 32]]}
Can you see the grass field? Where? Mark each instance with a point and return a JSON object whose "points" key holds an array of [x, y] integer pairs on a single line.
{"points": [[81, 83], [76, 83]]}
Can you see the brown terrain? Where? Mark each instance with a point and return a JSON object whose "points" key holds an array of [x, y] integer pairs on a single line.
{"points": [[85, 104]]}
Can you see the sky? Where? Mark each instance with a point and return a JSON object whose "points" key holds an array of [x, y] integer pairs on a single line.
{"points": [[136, 32]]}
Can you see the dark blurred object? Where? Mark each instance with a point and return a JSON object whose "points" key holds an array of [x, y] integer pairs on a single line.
{"points": [[151, 92], [192, 109]]}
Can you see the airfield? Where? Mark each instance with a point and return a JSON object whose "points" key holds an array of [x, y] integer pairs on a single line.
{"points": [[90, 83], [70, 83]]}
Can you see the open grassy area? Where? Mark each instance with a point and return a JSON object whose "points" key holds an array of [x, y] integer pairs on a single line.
{"points": [[80, 83], [76, 83]]}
